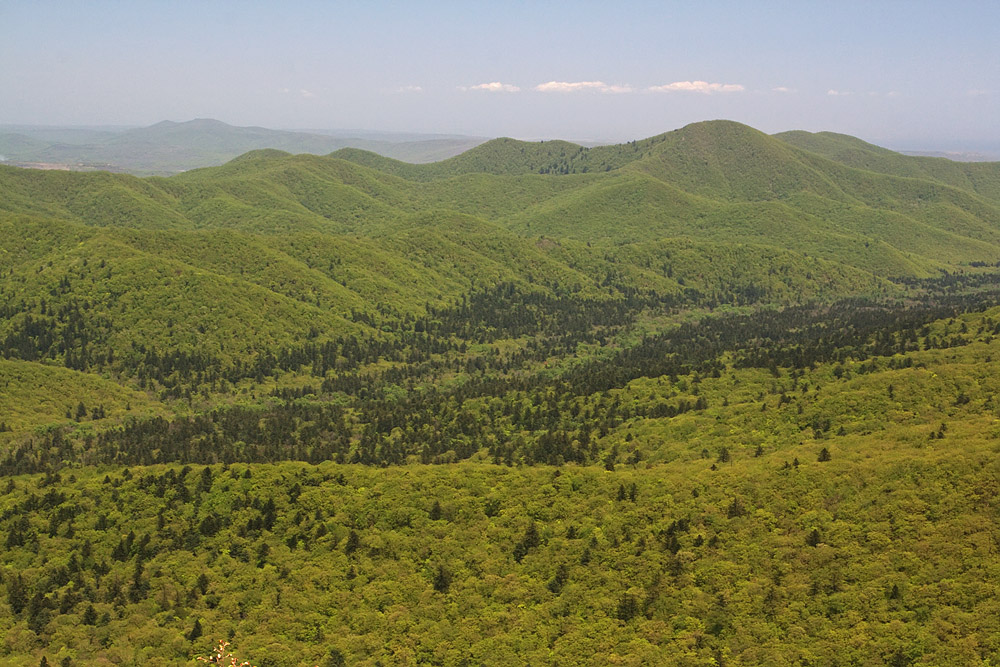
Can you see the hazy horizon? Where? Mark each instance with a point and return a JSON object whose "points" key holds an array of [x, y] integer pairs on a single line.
{"points": [[920, 76]]}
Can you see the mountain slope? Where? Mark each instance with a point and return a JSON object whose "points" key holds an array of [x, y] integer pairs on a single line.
{"points": [[980, 178], [708, 181], [706, 398], [259, 263]]}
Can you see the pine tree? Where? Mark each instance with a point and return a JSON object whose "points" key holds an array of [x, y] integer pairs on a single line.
{"points": [[89, 615], [442, 580], [335, 658], [529, 541], [17, 595], [558, 580], [202, 583], [205, 481], [736, 509], [196, 631], [352, 544], [627, 609]]}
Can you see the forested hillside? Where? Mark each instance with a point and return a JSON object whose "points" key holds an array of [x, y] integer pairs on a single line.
{"points": [[709, 398]]}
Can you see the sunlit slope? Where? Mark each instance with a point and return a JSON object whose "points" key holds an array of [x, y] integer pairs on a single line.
{"points": [[935, 396], [213, 289], [637, 207], [37, 395], [123, 295], [982, 178], [842, 510], [716, 181], [723, 179], [337, 195], [95, 198], [862, 558]]}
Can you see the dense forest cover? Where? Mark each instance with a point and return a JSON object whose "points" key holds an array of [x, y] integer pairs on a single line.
{"points": [[711, 398]]}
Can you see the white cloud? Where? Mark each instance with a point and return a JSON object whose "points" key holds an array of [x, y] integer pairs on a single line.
{"points": [[698, 87], [977, 92], [838, 93], [307, 93], [493, 87], [782, 89], [577, 86], [617, 89], [409, 89]]}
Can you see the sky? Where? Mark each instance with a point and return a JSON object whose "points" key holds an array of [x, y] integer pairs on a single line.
{"points": [[908, 75]]}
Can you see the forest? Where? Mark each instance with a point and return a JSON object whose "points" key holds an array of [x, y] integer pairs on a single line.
{"points": [[711, 398]]}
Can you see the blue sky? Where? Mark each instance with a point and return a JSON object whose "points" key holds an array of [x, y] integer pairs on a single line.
{"points": [[902, 74]]}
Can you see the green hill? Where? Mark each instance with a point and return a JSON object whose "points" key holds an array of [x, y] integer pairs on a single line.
{"points": [[710, 181], [36, 395], [713, 397], [270, 251], [982, 178]]}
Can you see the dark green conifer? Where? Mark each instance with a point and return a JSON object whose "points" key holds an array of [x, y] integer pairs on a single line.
{"points": [[196, 630]]}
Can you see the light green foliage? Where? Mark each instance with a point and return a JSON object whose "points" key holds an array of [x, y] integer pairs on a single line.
{"points": [[709, 398], [980, 178], [706, 580], [36, 395], [712, 181]]}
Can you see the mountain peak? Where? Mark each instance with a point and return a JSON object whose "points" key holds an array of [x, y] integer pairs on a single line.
{"points": [[205, 123]]}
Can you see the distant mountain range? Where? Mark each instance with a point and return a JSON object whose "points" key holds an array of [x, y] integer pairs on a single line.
{"points": [[169, 147], [957, 156], [312, 241]]}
